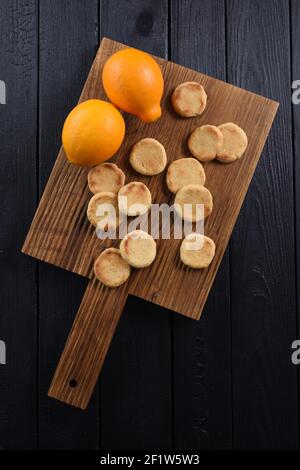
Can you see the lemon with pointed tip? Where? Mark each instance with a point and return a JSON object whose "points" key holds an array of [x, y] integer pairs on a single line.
{"points": [[133, 82]]}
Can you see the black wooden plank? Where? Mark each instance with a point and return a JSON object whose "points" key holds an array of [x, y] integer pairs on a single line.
{"points": [[263, 246], [295, 36], [136, 400], [18, 192], [202, 367], [68, 43]]}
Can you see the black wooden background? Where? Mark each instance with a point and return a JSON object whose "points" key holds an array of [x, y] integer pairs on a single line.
{"points": [[168, 382]]}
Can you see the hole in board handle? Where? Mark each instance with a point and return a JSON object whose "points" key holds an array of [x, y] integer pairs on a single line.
{"points": [[73, 383]]}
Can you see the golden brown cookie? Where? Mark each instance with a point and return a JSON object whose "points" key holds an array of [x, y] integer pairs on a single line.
{"points": [[189, 199], [138, 249], [189, 99], [134, 199], [105, 177], [148, 157], [197, 251], [111, 269], [102, 210], [184, 171], [205, 142], [234, 144]]}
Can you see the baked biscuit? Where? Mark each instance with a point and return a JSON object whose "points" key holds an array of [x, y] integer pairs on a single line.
{"points": [[205, 142], [188, 199], [184, 171], [138, 249], [189, 99], [102, 210], [197, 251], [111, 269], [134, 199], [148, 157], [234, 144], [105, 177]]}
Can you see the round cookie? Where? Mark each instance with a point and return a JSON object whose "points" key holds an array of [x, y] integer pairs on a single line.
{"points": [[148, 157], [205, 142], [111, 269], [197, 251], [138, 249], [134, 199], [107, 204], [105, 177], [234, 144], [187, 199], [189, 99], [184, 171]]}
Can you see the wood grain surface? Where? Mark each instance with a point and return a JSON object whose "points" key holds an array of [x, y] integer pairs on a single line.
{"points": [[60, 233], [202, 391], [59, 293], [168, 272], [140, 356], [88, 343], [143, 332], [295, 75], [18, 196], [167, 383], [263, 322]]}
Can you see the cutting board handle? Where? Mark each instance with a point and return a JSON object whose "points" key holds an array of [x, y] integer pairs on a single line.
{"points": [[88, 342]]}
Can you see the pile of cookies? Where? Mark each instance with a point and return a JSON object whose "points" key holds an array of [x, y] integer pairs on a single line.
{"points": [[138, 248], [107, 182], [185, 178], [113, 266], [226, 142]]}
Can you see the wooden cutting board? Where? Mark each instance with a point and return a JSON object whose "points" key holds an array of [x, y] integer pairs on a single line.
{"points": [[60, 233]]}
